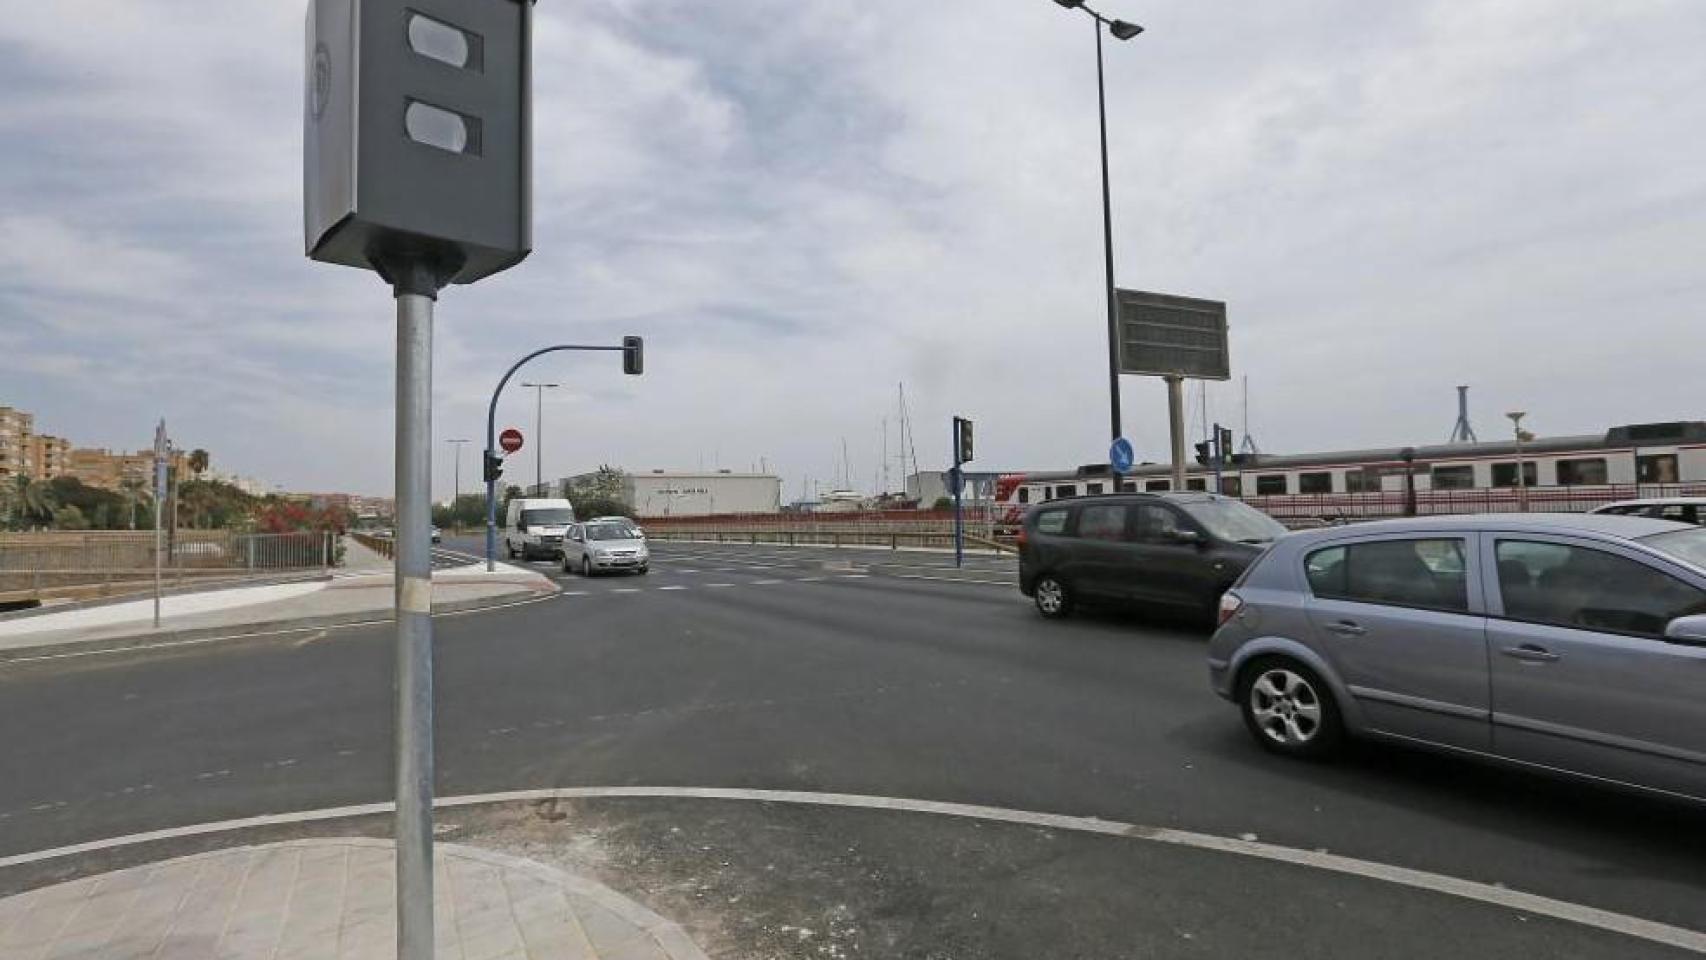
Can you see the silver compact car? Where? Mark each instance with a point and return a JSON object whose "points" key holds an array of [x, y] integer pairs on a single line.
{"points": [[602, 547], [1574, 644]]}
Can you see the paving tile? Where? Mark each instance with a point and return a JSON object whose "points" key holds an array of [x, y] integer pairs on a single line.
{"points": [[329, 899]]}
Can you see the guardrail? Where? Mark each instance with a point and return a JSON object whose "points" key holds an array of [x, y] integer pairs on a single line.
{"points": [[84, 565], [384, 546]]}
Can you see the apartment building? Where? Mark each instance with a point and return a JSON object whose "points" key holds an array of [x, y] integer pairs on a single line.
{"points": [[16, 428]]}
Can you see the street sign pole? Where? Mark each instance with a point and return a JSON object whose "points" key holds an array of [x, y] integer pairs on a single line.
{"points": [[415, 292], [1176, 426], [162, 450]]}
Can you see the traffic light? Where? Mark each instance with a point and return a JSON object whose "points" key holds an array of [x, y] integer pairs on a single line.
{"points": [[494, 467], [633, 356], [962, 440], [1224, 435], [1204, 454]]}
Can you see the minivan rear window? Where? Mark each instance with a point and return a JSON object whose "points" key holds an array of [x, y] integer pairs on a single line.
{"points": [[1051, 521], [550, 517]]}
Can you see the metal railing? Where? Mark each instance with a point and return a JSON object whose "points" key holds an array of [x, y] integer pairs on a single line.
{"points": [[114, 563], [893, 539], [1391, 503]]}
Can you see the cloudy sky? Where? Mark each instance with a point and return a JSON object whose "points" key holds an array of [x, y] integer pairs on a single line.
{"points": [[802, 205]]}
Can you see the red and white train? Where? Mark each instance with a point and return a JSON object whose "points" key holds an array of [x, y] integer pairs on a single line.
{"points": [[1558, 474]]}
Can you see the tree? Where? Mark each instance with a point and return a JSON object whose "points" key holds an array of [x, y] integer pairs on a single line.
{"points": [[69, 518], [602, 493], [35, 503], [131, 489], [198, 462], [943, 503]]}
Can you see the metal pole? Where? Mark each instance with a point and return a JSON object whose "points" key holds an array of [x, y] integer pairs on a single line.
{"points": [[1108, 249], [539, 440], [959, 484], [158, 545], [413, 587], [1176, 426]]}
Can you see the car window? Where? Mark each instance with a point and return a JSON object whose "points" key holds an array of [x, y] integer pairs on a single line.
{"points": [[1572, 586], [1051, 521], [551, 516], [1232, 520], [1429, 573], [611, 531], [1155, 523], [1103, 521]]}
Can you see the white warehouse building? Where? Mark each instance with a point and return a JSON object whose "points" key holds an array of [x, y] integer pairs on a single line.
{"points": [[668, 493]]}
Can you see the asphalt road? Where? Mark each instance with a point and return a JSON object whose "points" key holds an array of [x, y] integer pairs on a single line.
{"points": [[844, 671]]}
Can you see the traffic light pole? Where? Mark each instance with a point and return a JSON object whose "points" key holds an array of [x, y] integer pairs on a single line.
{"points": [[491, 458]]}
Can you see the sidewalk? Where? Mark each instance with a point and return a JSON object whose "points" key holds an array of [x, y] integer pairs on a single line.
{"points": [[332, 898], [361, 591]]}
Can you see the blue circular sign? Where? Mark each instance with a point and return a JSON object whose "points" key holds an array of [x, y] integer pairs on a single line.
{"points": [[1121, 456]]}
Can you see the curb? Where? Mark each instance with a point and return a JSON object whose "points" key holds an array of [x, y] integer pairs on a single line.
{"points": [[250, 631]]}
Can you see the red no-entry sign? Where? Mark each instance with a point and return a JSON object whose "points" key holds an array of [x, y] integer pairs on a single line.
{"points": [[510, 440]]}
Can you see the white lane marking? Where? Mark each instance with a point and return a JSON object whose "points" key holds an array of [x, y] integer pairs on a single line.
{"points": [[852, 576], [920, 576], [625, 590], [1486, 893], [575, 593], [764, 583], [810, 579], [672, 588], [727, 570], [719, 584], [685, 570]]}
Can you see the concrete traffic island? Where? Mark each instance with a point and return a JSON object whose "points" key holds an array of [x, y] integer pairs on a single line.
{"points": [[360, 594]]}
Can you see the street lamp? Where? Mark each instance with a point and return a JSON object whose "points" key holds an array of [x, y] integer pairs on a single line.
{"points": [[539, 434], [1121, 30], [1521, 480], [456, 496]]}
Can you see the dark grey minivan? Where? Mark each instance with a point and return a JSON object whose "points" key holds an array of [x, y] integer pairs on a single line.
{"points": [[1176, 550]]}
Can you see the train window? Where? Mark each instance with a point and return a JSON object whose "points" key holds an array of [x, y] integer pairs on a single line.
{"points": [[1128, 486], [1232, 486], [1024, 494], [1504, 474], [1158, 486], [1315, 482], [1065, 490], [1656, 468], [1092, 488], [1361, 481], [1581, 473], [1270, 483], [1456, 478], [1196, 483]]}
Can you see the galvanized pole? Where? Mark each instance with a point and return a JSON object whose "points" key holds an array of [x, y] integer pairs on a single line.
{"points": [[1176, 426], [959, 480], [413, 591], [1108, 248]]}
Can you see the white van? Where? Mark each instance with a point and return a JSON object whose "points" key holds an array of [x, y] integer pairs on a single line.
{"points": [[534, 527]]}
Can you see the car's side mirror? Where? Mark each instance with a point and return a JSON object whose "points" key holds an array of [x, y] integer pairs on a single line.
{"points": [[1190, 537], [1689, 630]]}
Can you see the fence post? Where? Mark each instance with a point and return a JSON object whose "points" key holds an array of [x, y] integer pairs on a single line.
{"points": [[894, 541]]}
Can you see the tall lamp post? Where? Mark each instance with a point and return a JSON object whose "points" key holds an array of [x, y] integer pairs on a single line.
{"points": [[539, 433], [456, 494], [1521, 474], [1121, 30]]}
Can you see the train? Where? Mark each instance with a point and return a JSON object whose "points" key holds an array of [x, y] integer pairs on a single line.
{"points": [[1570, 474]]}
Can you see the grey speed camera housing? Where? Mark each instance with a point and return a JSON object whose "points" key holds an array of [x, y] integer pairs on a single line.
{"points": [[417, 143]]}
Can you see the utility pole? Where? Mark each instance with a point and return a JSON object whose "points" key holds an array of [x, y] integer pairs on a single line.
{"points": [[539, 434]]}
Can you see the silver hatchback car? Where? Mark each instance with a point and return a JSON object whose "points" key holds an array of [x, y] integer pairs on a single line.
{"points": [[1569, 643]]}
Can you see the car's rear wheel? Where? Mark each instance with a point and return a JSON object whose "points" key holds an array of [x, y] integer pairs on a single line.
{"points": [[567, 568], [1289, 709], [586, 566], [1053, 597]]}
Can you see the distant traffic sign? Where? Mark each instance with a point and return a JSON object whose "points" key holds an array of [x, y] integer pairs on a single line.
{"points": [[510, 440], [1121, 456]]}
